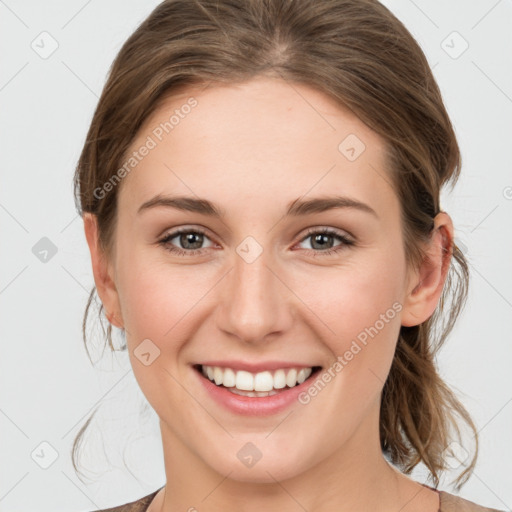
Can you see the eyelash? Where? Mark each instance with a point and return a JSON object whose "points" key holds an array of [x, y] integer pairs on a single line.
{"points": [[164, 242]]}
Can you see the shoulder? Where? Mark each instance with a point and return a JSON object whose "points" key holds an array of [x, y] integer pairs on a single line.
{"points": [[452, 503], [139, 505]]}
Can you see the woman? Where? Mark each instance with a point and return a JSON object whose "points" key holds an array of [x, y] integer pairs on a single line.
{"points": [[260, 192]]}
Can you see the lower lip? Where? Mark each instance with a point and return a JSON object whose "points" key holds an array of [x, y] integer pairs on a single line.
{"points": [[253, 405]]}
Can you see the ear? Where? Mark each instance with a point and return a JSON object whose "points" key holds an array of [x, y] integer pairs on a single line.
{"points": [[103, 272], [425, 285]]}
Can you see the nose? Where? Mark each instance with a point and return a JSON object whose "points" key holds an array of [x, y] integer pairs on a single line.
{"points": [[255, 302]]}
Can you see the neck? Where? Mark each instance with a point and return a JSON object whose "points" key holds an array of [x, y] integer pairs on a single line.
{"points": [[354, 477]]}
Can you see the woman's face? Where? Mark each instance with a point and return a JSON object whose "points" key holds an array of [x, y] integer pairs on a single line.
{"points": [[257, 285]]}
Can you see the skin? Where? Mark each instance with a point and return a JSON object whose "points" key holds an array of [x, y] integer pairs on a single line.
{"points": [[252, 149]]}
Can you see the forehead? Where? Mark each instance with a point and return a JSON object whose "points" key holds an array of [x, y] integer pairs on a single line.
{"points": [[266, 140]]}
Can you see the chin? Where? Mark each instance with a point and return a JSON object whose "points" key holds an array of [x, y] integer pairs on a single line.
{"points": [[246, 463], [263, 473]]}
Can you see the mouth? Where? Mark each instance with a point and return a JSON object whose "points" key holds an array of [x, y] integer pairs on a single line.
{"points": [[258, 385]]}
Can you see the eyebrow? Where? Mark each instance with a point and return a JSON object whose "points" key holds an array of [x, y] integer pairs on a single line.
{"points": [[295, 208]]}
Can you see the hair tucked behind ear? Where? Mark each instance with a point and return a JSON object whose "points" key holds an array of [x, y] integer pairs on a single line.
{"points": [[358, 53], [418, 409]]}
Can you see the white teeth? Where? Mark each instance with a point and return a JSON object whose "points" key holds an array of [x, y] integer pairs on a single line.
{"points": [[244, 381], [217, 375], [262, 383], [291, 378], [253, 393], [301, 376], [229, 378], [279, 379]]}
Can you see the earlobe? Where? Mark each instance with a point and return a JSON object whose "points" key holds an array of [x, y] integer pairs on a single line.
{"points": [[102, 272], [426, 284]]}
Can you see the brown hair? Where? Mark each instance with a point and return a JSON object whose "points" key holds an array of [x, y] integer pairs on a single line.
{"points": [[360, 54]]}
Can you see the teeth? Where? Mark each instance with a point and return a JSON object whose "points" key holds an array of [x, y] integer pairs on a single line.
{"points": [[291, 378], [262, 383], [217, 375], [244, 381], [229, 378], [301, 376], [253, 393], [279, 379]]}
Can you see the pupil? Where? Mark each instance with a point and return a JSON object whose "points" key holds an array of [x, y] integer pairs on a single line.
{"points": [[189, 237], [319, 238]]}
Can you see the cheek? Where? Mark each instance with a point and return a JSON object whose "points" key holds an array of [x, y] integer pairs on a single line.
{"points": [[357, 312], [347, 300], [157, 298], [159, 302]]}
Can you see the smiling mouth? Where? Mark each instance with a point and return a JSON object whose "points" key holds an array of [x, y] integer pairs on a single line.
{"points": [[261, 384]]}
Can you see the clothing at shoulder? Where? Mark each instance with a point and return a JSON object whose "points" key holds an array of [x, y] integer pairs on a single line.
{"points": [[449, 503], [140, 505], [452, 503]]}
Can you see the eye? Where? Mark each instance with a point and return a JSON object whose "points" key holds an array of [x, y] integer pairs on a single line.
{"points": [[321, 241], [190, 239]]}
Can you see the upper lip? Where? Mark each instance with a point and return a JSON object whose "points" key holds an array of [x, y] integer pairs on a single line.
{"points": [[253, 367]]}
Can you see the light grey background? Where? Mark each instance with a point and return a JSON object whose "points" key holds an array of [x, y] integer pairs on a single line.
{"points": [[49, 387]]}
